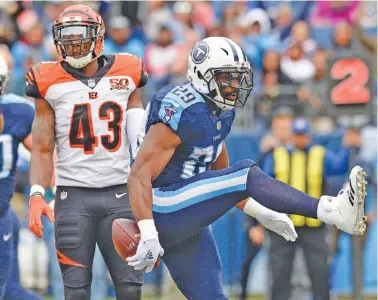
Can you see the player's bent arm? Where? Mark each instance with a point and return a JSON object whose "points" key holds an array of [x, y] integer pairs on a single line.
{"points": [[134, 120], [28, 142], [43, 132], [222, 160], [155, 152], [134, 100]]}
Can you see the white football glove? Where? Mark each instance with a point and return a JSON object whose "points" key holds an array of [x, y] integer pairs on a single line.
{"points": [[149, 248], [278, 222]]}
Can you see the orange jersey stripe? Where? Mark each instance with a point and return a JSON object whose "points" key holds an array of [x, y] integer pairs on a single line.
{"points": [[127, 65], [49, 73]]}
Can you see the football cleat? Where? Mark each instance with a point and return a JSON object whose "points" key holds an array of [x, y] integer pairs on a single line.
{"points": [[349, 204]]}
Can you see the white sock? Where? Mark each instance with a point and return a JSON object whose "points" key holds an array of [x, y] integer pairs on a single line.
{"points": [[324, 212]]}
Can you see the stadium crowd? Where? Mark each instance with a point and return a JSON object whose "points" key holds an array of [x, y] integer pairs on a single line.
{"points": [[288, 44]]}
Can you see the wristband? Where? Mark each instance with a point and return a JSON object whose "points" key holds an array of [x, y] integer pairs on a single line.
{"points": [[252, 207], [37, 190], [147, 229]]}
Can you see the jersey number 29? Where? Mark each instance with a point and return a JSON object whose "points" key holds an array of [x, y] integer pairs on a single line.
{"points": [[81, 133]]}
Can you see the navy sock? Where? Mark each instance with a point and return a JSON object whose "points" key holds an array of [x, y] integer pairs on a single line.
{"points": [[279, 196]]}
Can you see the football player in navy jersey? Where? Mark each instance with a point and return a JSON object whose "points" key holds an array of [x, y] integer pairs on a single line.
{"points": [[18, 114], [181, 181]]}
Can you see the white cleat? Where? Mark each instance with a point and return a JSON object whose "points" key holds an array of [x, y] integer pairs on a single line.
{"points": [[350, 203]]}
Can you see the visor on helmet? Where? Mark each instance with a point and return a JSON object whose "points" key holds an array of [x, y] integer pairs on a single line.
{"points": [[234, 85], [75, 40]]}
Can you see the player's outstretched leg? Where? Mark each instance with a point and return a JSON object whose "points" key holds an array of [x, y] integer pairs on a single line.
{"points": [[182, 210], [6, 249], [346, 211]]}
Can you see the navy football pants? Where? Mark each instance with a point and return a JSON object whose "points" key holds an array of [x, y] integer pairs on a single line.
{"points": [[6, 250], [10, 287], [182, 214]]}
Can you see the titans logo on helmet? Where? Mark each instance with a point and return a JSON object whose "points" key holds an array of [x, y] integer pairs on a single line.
{"points": [[199, 52]]}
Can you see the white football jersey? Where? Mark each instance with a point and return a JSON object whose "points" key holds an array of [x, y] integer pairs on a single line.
{"points": [[90, 118]]}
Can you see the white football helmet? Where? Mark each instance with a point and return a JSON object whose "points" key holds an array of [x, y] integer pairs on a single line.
{"points": [[219, 70], [4, 74]]}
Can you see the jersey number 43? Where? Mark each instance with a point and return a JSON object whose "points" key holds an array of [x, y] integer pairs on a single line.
{"points": [[82, 135]]}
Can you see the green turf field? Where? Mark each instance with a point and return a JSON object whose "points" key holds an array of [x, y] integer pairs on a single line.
{"points": [[250, 298]]}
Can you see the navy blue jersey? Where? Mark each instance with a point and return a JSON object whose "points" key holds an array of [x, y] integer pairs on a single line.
{"points": [[194, 120], [18, 118]]}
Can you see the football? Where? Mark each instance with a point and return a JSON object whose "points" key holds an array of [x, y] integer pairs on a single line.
{"points": [[126, 236]]}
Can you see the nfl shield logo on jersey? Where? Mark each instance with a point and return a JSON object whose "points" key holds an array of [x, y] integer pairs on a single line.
{"points": [[219, 125], [169, 112], [91, 83], [63, 195]]}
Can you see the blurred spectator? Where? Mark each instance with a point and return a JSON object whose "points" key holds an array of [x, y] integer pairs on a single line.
{"points": [[51, 12], [257, 39], [315, 91], [119, 40], [295, 66], [229, 16], [29, 50], [280, 134], [271, 64], [182, 22], [7, 32], [254, 241], [343, 42], [368, 13], [158, 15], [328, 13], [216, 30], [298, 10], [300, 33], [203, 14], [284, 16], [134, 11], [180, 68], [305, 166], [159, 59]]}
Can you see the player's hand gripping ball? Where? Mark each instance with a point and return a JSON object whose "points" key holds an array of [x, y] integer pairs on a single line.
{"points": [[126, 236]]}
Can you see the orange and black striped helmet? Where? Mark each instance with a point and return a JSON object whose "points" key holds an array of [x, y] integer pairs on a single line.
{"points": [[79, 35]]}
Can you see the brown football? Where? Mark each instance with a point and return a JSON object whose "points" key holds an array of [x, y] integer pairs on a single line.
{"points": [[126, 236]]}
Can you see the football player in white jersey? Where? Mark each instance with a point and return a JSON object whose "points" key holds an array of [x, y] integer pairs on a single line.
{"points": [[88, 105]]}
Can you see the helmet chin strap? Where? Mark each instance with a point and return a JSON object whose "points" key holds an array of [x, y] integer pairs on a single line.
{"points": [[222, 106], [81, 62]]}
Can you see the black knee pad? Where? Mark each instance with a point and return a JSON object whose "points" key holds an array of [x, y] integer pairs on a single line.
{"points": [[77, 293], [128, 291]]}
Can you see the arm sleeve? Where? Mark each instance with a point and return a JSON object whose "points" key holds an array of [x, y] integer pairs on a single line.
{"points": [[336, 163], [134, 125], [31, 89]]}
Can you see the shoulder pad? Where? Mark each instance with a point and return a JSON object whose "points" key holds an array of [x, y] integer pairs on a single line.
{"points": [[183, 96], [42, 75], [127, 64]]}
